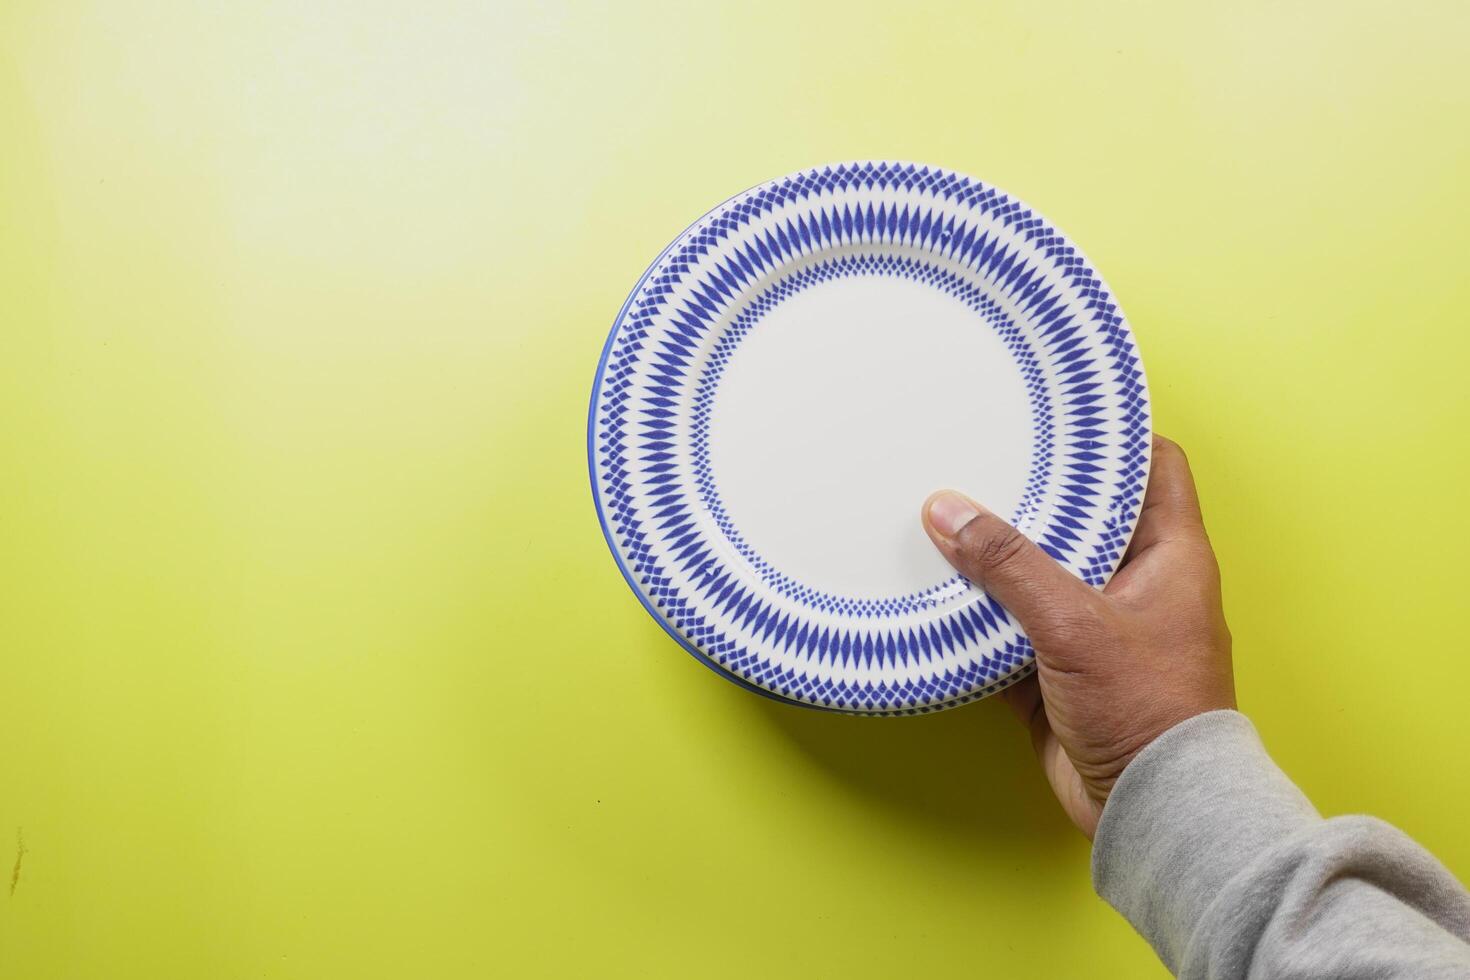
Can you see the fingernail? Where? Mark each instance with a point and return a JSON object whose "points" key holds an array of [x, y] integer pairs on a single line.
{"points": [[949, 512]]}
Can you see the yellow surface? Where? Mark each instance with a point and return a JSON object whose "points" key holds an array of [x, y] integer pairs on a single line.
{"points": [[312, 661]]}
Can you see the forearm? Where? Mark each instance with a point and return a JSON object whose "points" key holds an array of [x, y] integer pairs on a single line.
{"points": [[1222, 864]]}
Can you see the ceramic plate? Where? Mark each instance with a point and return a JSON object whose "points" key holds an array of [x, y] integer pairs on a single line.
{"points": [[797, 372]]}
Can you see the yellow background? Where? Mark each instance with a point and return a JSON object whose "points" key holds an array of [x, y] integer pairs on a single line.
{"points": [[312, 659]]}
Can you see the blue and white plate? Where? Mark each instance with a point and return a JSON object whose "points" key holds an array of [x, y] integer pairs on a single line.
{"points": [[800, 369]]}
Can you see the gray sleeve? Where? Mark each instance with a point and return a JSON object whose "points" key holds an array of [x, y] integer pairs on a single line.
{"points": [[1226, 869]]}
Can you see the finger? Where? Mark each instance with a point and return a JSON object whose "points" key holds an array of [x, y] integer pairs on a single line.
{"points": [[1002, 561], [1170, 504], [1024, 698]]}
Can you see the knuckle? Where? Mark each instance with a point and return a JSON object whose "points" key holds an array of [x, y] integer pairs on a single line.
{"points": [[996, 545], [1164, 446], [1196, 566]]}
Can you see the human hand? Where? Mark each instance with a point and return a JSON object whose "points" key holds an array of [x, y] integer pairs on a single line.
{"points": [[1116, 668]]}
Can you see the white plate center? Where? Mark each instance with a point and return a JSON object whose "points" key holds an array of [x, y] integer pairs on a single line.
{"points": [[843, 409]]}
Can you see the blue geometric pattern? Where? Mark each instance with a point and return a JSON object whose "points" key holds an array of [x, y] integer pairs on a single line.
{"points": [[915, 270], [909, 654]]}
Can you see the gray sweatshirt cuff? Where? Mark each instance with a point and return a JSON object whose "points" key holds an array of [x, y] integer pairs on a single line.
{"points": [[1187, 814]]}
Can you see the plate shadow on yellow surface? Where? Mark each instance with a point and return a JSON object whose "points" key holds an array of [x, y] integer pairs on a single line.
{"points": [[964, 770], [966, 774]]}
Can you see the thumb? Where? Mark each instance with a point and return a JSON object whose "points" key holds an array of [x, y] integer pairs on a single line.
{"points": [[1005, 563]]}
